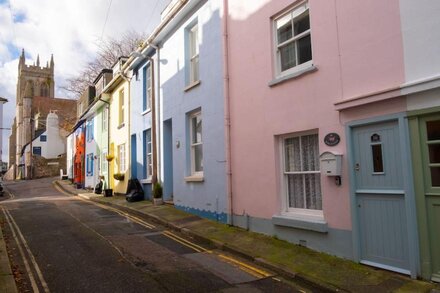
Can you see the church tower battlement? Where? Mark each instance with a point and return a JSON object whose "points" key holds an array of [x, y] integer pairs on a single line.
{"points": [[40, 80], [33, 81]]}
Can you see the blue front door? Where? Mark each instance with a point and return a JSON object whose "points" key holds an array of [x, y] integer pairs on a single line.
{"points": [[380, 197], [133, 157]]}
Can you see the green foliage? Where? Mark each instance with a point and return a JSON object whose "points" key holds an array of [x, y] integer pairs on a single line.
{"points": [[157, 190], [119, 176]]}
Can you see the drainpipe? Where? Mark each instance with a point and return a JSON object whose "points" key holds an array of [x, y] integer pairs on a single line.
{"points": [[128, 151], [108, 139], [156, 118], [227, 111]]}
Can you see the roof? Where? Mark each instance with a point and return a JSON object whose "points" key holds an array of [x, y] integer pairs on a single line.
{"points": [[105, 70], [3, 100]]}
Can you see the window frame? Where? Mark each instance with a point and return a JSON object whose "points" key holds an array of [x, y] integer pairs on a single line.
{"points": [[121, 158], [276, 52], [193, 144], [193, 53], [89, 164], [148, 155], [286, 209], [104, 162], [147, 86], [121, 106], [105, 119]]}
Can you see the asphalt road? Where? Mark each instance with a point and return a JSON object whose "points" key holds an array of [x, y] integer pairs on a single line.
{"points": [[60, 243]]}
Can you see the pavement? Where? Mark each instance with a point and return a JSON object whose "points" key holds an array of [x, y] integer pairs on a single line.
{"points": [[7, 281], [323, 271]]}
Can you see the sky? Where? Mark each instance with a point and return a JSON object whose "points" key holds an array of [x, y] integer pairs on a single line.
{"points": [[70, 30]]}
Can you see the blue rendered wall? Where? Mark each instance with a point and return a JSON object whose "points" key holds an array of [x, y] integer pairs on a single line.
{"points": [[140, 120], [207, 198]]}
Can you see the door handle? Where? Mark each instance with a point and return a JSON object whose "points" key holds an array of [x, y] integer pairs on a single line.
{"points": [[357, 167]]}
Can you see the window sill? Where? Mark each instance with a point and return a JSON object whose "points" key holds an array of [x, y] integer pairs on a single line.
{"points": [[146, 111], [303, 222], [192, 85], [282, 78], [194, 178], [145, 181], [121, 125]]}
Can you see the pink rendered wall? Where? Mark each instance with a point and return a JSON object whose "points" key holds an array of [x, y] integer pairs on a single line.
{"points": [[259, 113], [371, 46]]}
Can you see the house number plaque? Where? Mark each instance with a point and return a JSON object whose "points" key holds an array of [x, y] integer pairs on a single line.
{"points": [[332, 139]]}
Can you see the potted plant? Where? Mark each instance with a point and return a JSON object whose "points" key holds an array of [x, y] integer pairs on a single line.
{"points": [[119, 176], [107, 191], [157, 194]]}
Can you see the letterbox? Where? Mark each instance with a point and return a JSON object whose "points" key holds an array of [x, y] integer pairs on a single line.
{"points": [[330, 164]]}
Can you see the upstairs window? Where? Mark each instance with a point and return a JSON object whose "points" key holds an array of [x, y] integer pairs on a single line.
{"points": [[43, 137], [104, 119], [193, 53], [121, 106], [148, 88], [293, 45]]}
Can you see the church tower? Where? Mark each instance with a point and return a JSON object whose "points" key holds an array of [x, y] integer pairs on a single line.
{"points": [[33, 81]]}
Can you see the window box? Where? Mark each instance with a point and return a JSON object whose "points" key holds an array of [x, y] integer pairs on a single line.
{"points": [[119, 176]]}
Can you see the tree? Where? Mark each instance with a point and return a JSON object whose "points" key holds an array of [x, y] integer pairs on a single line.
{"points": [[109, 50]]}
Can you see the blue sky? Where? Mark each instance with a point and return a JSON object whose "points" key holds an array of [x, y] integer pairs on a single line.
{"points": [[67, 29]]}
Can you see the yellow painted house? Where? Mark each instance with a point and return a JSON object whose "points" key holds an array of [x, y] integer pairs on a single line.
{"points": [[117, 93]]}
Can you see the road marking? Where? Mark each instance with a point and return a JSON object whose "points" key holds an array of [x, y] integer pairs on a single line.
{"points": [[256, 272], [183, 241], [243, 265], [12, 224], [124, 214]]}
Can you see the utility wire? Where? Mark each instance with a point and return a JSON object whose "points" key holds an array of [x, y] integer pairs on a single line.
{"points": [[106, 18], [152, 14]]}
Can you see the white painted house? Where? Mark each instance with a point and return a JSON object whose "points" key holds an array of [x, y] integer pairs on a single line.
{"points": [[49, 144]]}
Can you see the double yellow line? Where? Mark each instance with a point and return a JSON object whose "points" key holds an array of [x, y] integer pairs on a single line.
{"points": [[256, 272]]}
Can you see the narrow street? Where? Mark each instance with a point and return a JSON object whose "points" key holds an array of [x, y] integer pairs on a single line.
{"points": [[61, 243]]}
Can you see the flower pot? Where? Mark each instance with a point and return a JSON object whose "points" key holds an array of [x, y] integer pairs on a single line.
{"points": [[108, 192], [157, 201]]}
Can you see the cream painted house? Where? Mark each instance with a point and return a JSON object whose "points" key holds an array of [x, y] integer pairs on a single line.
{"points": [[117, 93]]}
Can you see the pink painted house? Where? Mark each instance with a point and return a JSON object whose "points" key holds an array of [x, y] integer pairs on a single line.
{"points": [[318, 99]]}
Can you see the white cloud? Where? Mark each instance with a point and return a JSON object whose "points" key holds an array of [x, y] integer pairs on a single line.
{"points": [[67, 29]]}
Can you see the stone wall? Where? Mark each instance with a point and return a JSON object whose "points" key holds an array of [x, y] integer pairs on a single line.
{"points": [[43, 167]]}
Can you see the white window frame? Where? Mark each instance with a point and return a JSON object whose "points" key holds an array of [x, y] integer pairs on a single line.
{"points": [[104, 162], [301, 213], [104, 119], [194, 144], [295, 12], [121, 158], [148, 87], [121, 106], [149, 154], [193, 51]]}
